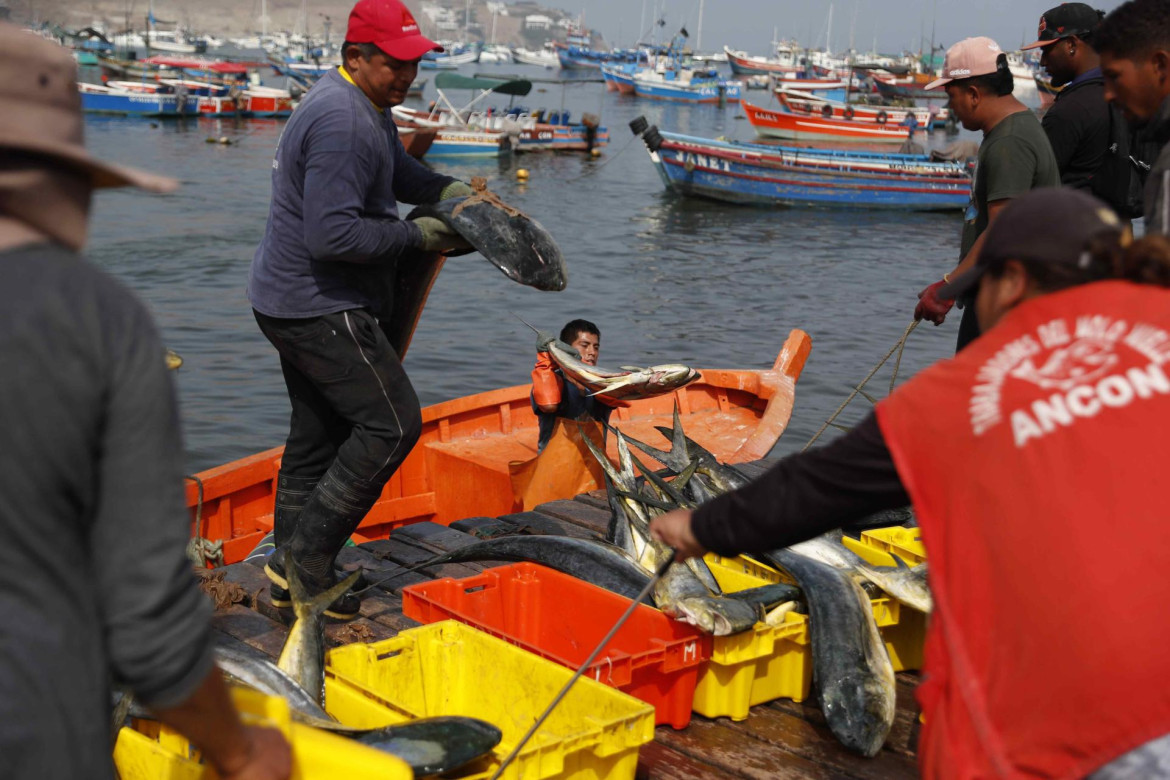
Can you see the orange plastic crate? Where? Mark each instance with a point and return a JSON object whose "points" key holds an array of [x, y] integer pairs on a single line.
{"points": [[562, 618]]}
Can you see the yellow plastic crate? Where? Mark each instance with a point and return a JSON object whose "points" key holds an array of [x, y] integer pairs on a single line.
{"points": [[152, 751], [906, 543], [769, 662], [449, 668]]}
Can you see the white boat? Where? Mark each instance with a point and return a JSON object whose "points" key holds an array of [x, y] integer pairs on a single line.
{"points": [[546, 57], [495, 54]]}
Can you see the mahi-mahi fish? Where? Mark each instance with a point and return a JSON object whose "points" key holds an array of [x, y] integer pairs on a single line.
{"points": [[687, 591], [850, 664], [906, 584], [429, 745], [626, 382]]}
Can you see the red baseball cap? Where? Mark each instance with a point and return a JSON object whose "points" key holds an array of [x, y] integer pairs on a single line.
{"points": [[389, 25]]}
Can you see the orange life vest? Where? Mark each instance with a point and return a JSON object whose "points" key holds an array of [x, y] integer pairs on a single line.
{"points": [[1037, 462]]}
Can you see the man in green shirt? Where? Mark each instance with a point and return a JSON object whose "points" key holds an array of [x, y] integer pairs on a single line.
{"points": [[1015, 157]]}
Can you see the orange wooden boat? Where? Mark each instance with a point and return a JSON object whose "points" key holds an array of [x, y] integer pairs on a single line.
{"points": [[465, 463]]}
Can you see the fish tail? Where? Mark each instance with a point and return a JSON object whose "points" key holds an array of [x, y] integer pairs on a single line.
{"points": [[307, 606]]}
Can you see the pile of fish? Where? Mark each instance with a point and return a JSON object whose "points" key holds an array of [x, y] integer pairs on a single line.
{"points": [[626, 383], [431, 746], [851, 667]]}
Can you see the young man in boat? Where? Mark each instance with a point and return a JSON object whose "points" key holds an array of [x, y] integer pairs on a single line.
{"points": [[1133, 43], [94, 583], [553, 396], [322, 282], [1015, 157], [1012, 453], [1090, 138]]}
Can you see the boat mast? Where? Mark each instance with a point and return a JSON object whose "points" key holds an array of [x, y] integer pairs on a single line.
{"points": [[699, 34], [263, 20]]}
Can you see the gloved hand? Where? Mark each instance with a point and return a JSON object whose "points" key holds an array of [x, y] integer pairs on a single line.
{"points": [[437, 236], [456, 189], [931, 306], [546, 385]]}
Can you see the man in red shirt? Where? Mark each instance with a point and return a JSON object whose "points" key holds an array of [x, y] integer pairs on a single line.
{"points": [[1028, 460]]}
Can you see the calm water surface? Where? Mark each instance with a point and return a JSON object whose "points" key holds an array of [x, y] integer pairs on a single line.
{"points": [[666, 279]]}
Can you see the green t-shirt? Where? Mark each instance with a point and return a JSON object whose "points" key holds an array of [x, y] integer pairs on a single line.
{"points": [[1015, 157]]}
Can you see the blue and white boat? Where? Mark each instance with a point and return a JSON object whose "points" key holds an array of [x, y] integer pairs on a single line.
{"points": [[684, 85], [99, 99], [755, 174]]}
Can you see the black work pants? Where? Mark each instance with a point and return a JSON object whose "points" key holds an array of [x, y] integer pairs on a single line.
{"points": [[351, 399]]}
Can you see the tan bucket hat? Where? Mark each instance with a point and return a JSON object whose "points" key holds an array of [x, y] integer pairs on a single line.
{"points": [[40, 110]]}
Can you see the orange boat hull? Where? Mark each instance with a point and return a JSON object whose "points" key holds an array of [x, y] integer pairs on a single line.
{"points": [[461, 465]]}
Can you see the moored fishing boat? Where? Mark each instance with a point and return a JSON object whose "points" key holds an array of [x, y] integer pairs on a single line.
{"points": [[100, 99], [619, 77], [908, 87], [791, 176], [448, 60], [812, 105], [684, 85], [744, 64], [794, 127], [416, 139], [268, 102], [463, 465]]}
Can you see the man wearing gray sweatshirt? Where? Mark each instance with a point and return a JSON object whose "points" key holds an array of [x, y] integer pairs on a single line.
{"points": [[320, 287]]}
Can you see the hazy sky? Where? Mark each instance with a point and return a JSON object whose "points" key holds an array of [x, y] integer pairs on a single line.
{"points": [[896, 24]]}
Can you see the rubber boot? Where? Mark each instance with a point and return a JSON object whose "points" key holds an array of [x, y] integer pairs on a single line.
{"points": [[292, 493], [331, 514]]}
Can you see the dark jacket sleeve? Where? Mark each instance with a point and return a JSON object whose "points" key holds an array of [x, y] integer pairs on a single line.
{"points": [[158, 633], [339, 167], [805, 495]]}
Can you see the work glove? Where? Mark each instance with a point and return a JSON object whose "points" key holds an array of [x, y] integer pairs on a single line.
{"points": [[931, 306], [456, 189], [438, 236], [546, 385]]}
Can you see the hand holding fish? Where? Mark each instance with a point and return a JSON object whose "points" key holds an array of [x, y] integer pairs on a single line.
{"points": [[674, 530], [268, 757]]}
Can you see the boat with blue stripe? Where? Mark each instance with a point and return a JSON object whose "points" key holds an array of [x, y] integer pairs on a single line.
{"points": [[756, 174], [99, 99]]}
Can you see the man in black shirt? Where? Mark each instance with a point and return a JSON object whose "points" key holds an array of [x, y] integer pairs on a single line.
{"points": [[1089, 137]]}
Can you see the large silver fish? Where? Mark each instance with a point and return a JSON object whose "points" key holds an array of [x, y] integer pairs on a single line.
{"points": [[626, 383], [905, 583], [850, 664]]}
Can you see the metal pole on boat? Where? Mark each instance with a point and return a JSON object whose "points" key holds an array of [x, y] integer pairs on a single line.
{"points": [[699, 33], [588, 662]]}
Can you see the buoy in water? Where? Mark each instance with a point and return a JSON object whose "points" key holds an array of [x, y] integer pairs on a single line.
{"points": [[522, 174], [594, 152]]}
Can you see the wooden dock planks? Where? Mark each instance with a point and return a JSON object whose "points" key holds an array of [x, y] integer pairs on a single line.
{"points": [[782, 739]]}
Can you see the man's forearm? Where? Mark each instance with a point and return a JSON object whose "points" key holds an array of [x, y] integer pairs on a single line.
{"points": [[805, 495]]}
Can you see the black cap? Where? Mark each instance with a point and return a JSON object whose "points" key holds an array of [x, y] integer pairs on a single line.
{"points": [[1065, 20], [1048, 225]]}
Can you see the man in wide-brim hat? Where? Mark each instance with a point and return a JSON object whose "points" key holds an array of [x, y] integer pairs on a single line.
{"points": [[94, 583]]}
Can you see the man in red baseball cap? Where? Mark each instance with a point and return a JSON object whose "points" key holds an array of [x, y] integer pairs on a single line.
{"points": [[322, 284]]}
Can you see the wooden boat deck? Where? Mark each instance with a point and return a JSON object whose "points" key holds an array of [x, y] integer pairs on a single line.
{"points": [[780, 739]]}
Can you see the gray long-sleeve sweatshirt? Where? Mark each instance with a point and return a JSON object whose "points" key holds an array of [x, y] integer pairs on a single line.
{"points": [[94, 584]]}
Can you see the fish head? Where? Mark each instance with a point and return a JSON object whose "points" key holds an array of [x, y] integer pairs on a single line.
{"points": [[670, 376], [861, 715]]}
